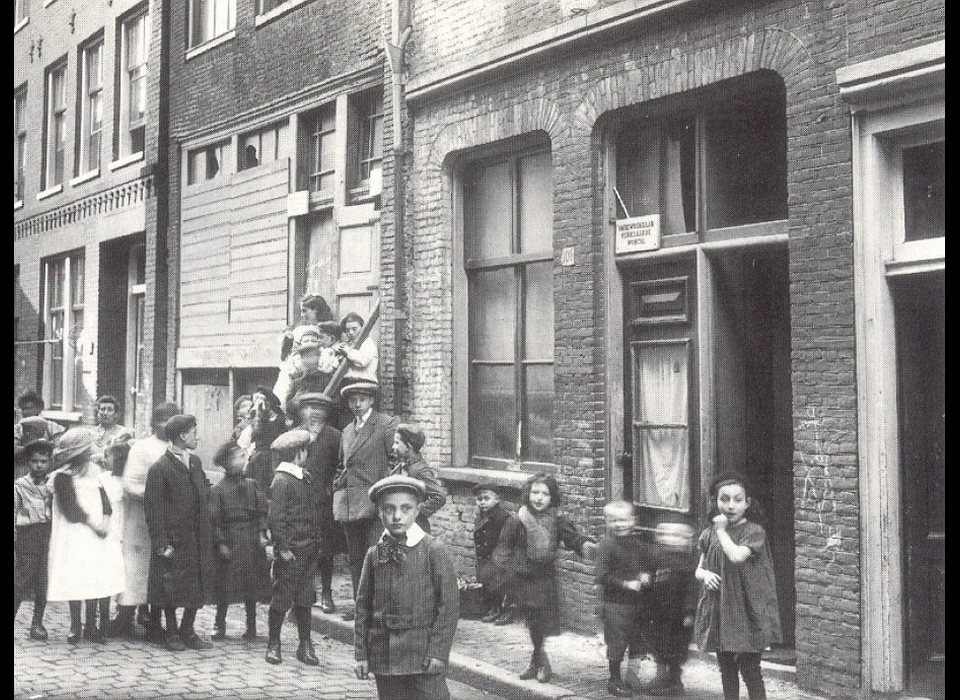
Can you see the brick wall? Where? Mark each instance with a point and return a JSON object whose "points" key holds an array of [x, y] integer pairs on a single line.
{"points": [[567, 95]]}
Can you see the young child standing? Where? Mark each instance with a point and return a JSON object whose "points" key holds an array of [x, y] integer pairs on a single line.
{"points": [[738, 616], [624, 575], [408, 601], [491, 571], [238, 518], [295, 527], [31, 533], [532, 542]]}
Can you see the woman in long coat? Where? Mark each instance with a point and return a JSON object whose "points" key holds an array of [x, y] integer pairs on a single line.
{"points": [[176, 505]]}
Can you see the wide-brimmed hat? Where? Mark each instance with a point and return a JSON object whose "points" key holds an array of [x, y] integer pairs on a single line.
{"points": [[72, 444], [369, 388], [397, 482], [305, 397], [295, 439]]}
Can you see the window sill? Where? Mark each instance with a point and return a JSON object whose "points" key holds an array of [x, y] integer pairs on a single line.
{"points": [[278, 11], [321, 199], [85, 177], [472, 475], [126, 160], [20, 25], [74, 417], [49, 192], [48, 3], [17, 204], [211, 44]]}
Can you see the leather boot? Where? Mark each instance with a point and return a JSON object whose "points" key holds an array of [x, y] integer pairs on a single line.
{"points": [[665, 682], [306, 653], [544, 672], [273, 652], [532, 669]]}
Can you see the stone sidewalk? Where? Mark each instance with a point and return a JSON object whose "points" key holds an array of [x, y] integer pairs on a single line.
{"points": [[133, 669], [491, 657]]}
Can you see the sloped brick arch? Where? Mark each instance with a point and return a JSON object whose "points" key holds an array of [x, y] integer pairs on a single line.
{"points": [[772, 49]]}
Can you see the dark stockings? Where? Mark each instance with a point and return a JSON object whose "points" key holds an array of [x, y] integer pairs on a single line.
{"points": [[250, 607], [745, 665], [75, 607], [325, 567], [103, 604], [186, 622], [170, 613], [39, 605], [125, 615], [302, 615], [274, 624], [537, 637], [615, 671]]}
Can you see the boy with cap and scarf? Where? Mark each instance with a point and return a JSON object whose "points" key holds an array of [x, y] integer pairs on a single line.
{"points": [[407, 460], [294, 520], [408, 601]]}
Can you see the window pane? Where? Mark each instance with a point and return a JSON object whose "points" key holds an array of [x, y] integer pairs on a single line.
{"points": [[77, 285], [538, 311], [538, 413], [493, 413], [75, 332], [656, 173], [661, 465], [924, 204], [660, 383], [493, 315], [746, 161], [488, 212], [536, 204], [56, 360], [56, 270]]}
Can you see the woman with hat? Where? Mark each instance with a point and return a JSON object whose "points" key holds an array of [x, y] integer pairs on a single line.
{"points": [[86, 559], [408, 461]]}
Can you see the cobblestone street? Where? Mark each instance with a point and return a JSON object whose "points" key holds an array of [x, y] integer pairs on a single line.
{"points": [[131, 669]]}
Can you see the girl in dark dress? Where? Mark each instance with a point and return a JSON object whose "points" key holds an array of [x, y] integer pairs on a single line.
{"points": [[738, 616], [238, 514], [531, 542]]}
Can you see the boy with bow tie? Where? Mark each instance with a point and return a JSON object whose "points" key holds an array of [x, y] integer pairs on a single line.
{"points": [[408, 601]]}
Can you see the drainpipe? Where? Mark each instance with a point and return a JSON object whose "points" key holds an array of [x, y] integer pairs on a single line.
{"points": [[395, 53]]}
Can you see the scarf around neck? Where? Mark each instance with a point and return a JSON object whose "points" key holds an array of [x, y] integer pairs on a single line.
{"points": [[541, 533]]}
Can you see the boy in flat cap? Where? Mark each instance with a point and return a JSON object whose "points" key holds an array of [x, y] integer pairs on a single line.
{"points": [[294, 521], [492, 567], [408, 601], [31, 533], [407, 460]]}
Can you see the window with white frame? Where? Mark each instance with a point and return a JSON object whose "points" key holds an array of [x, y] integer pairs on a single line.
{"points": [[134, 54], [265, 6], [55, 131], [206, 163], [91, 107], [19, 142], [508, 260], [210, 19], [321, 132], [264, 145], [21, 10], [63, 300], [368, 115]]}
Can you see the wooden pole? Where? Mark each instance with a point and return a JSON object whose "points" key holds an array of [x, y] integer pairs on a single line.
{"points": [[358, 341]]}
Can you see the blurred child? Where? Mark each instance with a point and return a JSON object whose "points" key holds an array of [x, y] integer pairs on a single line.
{"points": [[491, 568], [738, 616], [31, 533], [624, 574], [407, 460], [238, 516], [532, 542]]}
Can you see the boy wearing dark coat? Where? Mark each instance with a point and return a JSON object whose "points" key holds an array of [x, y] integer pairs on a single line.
{"points": [[408, 600], [492, 571], [31, 533], [176, 506], [294, 521]]}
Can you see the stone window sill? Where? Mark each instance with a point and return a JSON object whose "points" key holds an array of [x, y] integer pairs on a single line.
{"points": [[211, 44], [49, 192], [126, 160], [20, 25], [279, 11], [85, 177]]}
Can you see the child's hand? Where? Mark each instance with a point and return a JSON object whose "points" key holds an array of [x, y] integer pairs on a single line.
{"points": [[166, 552], [224, 551], [362, 669], [720, 522], [101, 529], [434, 666], [645, 579], [589, 550], [635, 585], [709, 579], [264, 540], [268, 550], [287, 555]]}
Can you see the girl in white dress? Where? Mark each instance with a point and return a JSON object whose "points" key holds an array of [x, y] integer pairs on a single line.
{"points": [[86, 556]]}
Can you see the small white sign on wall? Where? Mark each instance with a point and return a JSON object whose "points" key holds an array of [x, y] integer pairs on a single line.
{"points": [[638, 234]]}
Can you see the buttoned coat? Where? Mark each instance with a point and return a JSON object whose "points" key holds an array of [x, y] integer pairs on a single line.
{"points": [[493, 567], [407, 612], [365, 459], [323, 461], [176, 505]]}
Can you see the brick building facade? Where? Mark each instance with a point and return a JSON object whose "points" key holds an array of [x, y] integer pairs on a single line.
{"points": [[87, 110], [730, 343]]}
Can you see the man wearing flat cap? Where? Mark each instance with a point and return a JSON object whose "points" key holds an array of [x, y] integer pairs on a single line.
{"points": [[365, 450], [294, 521], [314, 409], [408, 601], [175, 503]]}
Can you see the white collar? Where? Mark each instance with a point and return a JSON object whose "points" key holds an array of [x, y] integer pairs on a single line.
{"points": [[291, 469], [362, 420], [414, 535]]}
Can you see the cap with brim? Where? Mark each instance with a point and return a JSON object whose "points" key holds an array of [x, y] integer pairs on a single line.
{"points": [[38, 445], [33, 428], [397, 483], [291, 440], [486, 486], [307, 397], [370, 388], [72, 444], [331, 328]]}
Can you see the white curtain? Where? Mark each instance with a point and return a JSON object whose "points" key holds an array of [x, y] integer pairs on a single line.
{"points": [[661, 433]]}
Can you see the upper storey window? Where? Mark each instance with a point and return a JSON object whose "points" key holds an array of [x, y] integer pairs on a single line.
{"points": [[210, 19], [135, 35]]}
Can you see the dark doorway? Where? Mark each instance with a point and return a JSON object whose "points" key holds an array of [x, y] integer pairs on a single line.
{"points": [[919, 302]]}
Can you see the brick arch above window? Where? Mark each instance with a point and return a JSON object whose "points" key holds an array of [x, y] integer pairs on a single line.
{"points": [[521, 119], [774, 49]]}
